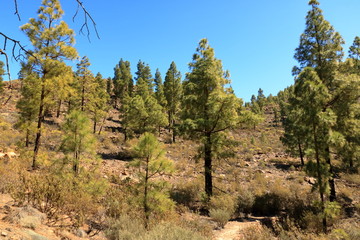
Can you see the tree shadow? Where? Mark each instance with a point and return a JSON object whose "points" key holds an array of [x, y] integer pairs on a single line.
{"points": [[123, 156]]}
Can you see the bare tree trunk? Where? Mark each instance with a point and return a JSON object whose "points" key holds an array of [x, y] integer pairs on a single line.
{"points": [[173, 133], [208, 165], [27, 140], [94, 130], [301, 154], [58, 109], [38, 132], [145, 203], [102, 125], [332, 197]]}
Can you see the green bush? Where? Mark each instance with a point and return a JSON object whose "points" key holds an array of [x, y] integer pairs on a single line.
{"points": [[245, 202], [57, 194], [220, 216], [268, 204], [125, 228], [187, 194], [224, 202], [221, 209]]}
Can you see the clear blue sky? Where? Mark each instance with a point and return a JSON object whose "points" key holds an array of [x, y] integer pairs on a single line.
{"points": [[254, 39]]}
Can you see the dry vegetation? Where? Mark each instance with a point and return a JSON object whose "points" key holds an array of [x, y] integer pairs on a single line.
{"points": [[259, 183]]}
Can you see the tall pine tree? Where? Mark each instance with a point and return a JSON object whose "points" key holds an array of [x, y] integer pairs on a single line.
{"points": [[123, 81], [159, 89], [52, 42], [173, 92], [321, 48], [209, 108], [144, 80]]}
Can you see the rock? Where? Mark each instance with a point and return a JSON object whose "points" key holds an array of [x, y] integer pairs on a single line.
{"points": [[4, 234], [27, 216], [80, 233], [35, 236]]}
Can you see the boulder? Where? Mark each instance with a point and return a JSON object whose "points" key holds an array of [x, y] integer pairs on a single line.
{"points": [[27, 216]]}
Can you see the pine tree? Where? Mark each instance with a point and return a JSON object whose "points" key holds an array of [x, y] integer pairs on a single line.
{"points": [[295, 135], [173, 92], [85, 85], [321, 48], [311, 96], [123, 82], [144, 115], [354, 51], [209, 108], [144, 80], [98, 105], [52, 41], [109, 86], [151, 163], [254, 105], [77, 140], [29, 102], [159, 89], [261, 99], [347, 108]]}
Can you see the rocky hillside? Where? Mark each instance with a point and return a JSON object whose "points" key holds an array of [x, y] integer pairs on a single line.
{"points": [[265, 188]]}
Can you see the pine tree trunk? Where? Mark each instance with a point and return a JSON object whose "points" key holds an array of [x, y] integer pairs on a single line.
{"points": [[75, 165], [58, 109], [27, 137], [38, 132], [145, 203], [169, 119], [351, 163], [208, 165], [332, 197], [301, 154], [77, 155], [102, 125], [173, 135], [69, 106], [125, 135], [94, 129]]}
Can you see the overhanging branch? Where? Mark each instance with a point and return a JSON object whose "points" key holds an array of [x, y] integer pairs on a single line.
{"points": [[87, 16]]}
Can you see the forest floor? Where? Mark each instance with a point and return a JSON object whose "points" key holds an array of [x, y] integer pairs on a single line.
{"points": [[260, 164]]}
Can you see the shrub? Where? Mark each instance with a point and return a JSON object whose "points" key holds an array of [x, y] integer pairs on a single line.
{"points": [[187, 193], [220, 216], [128, 228], [222, 208], [170, 231], [61, 194], [312, 222], [245, 202], [125, 228], [224, 201], [268, 204], [257, 233]]}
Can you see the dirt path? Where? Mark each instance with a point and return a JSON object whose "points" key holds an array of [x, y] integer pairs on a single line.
{"points": [[232, 229]]}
